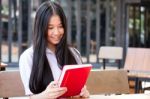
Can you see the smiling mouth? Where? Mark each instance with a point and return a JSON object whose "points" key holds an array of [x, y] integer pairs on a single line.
{"points": [[56, 39]]}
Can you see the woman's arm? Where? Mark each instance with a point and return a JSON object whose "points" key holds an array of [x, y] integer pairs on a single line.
{"points": [[25, 66]]}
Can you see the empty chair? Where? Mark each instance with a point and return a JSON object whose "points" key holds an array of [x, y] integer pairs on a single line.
{"points": [[10, 84], [111, 52], [138, 64], [108, 82]]}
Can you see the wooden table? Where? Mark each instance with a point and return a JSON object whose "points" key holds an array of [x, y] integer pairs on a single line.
{"points": [[126, 96], [138, 77]]}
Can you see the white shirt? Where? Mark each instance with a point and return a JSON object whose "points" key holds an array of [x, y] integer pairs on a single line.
{"points": [[25, 66]]}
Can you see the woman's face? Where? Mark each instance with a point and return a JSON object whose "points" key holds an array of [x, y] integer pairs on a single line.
{"points": [[55, 31]]}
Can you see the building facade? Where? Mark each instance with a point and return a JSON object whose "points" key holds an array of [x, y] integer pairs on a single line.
{"points": [[91, 24]]}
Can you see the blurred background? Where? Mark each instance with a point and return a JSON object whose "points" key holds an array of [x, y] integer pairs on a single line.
{"points": [[91, 24]]}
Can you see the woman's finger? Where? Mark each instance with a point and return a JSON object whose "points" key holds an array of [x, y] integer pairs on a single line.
{"points": [[53, 84], [84, 92]]}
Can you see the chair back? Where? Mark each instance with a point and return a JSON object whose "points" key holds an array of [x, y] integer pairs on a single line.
{"points": [[108, 82], [110, 52], [137, 59], [11, 84]]}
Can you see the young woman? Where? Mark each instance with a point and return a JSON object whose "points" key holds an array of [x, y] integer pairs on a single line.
{"points": [[41, 64]]}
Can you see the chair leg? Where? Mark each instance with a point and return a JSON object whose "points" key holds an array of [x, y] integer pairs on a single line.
{"points": [[145, 88], [119, 65], [2, 68], [6, 98], [138, 86], [104, 63]]}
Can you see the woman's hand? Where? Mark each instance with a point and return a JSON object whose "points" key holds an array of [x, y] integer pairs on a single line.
{"points": [[84, 92], [52, 91]]}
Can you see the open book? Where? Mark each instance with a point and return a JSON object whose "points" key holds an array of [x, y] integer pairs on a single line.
{"points": [[74, 78]]}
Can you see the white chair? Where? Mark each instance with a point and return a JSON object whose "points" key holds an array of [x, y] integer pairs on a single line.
{"points": [[110, 52], [137, 62]]}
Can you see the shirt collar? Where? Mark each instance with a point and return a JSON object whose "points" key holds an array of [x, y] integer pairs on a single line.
{"points": [[48, 51]]}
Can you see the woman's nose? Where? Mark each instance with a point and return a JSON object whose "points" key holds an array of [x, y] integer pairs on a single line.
{"points": [[56, 31]]}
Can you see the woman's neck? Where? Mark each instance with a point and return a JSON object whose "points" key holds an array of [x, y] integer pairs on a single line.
{"points": [[52, 48]]}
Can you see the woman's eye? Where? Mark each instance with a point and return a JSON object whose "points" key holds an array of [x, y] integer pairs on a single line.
{"points": [[60, 26], [50, 28]]}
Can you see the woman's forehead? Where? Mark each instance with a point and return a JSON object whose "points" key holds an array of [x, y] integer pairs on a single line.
{"points": [[54, 19]]}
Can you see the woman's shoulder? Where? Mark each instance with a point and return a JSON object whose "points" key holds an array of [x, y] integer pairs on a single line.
{"points": [[25, 60], [27, 52]]}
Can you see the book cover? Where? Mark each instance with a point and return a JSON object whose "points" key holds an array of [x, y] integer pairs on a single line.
{"points": [[74, 78]]}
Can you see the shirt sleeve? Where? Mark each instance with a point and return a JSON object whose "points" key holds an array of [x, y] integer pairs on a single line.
{"points": [[25, 66]]}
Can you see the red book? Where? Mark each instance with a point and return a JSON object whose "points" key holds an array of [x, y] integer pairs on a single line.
{"points": [[74, 78]]}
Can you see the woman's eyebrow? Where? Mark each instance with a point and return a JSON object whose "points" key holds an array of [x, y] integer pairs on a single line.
{"points": [[52, 24]]}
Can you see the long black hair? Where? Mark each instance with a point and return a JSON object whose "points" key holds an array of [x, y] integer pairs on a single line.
{"points": [[41, 74]]}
